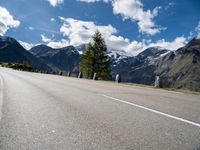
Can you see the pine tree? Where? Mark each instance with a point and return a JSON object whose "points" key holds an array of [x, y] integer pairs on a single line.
{"points": [[87, 61], [96, 60]]}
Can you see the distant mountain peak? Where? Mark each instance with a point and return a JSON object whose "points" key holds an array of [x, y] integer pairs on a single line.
{"points": [[7, 39], [152, 52], [193, 42], [11, 51]]}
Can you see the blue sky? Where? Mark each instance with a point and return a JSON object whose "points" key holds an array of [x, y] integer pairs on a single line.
{"points": [[130, 25]]}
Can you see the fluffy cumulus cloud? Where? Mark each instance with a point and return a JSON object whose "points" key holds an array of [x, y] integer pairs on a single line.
{"points": [[7, 21], [198, 30], [55, 2], [79, 32], [54, 44], [172, 45], [58, 44], [134, 10]]}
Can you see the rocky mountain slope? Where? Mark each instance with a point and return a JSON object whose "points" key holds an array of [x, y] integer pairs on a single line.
{"points": [[139, 69], [12, 52], [181, 69], [177, 69], [62, 59]]}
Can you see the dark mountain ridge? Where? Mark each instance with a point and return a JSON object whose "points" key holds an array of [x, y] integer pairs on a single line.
{"points": [[12, 52], [61, 59]]}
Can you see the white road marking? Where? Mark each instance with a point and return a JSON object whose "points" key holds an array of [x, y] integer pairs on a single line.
{"points": [[1, 95], [154, 111]]}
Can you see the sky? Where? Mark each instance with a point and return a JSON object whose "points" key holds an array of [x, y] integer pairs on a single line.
{"points": [[129, 25]]}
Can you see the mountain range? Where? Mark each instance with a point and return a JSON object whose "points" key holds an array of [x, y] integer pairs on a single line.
{"points": [[62, 59], [12, 52], [177, 69]]}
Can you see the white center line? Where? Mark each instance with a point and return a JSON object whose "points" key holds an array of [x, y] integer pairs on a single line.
{"points": [[154, 111]]}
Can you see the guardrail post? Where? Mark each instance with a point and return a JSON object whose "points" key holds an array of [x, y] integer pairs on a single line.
{"points": [[60, 73], [80, 75], [95, 76], [69, 74], [117, 78], [157, 82]]}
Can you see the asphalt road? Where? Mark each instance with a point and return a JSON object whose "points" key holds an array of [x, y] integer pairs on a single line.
{"points": [[46, 112]]}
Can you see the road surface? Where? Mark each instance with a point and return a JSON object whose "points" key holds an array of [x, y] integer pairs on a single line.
{"points": [[47, 112]]}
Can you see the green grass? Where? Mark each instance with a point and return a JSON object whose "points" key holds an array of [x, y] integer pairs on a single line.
{"points": [[182, 90], [17, 66]]}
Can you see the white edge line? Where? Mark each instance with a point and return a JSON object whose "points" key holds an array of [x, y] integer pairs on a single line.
{"points": [[154, 111], [1, 95]]}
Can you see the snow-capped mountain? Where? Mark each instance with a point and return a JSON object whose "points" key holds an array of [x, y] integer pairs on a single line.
{"points": [[117, 55], [81, 48], [140, 68]]}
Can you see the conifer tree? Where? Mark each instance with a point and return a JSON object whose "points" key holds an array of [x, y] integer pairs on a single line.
{"points": [[95, 59]]}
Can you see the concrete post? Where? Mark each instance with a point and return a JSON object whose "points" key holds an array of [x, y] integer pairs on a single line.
{"points": [[80, 75], [95, 76], [117, 78], [60, 73], [157, 81], [69, 74]]}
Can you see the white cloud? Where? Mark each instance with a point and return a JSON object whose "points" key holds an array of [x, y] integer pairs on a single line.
{"points": [[79, 32], [7, 21], [92, 1], [173, 45], [45, 39], [89, 1], [134, 10], [31, 28], [55, 2], [26, 45], [198, 30], [54, 44], [52, 19], [58, 44]]}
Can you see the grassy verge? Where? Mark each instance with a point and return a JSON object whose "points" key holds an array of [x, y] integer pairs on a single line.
{"points": [[182, 90], [25, 67], [17, 66], [187, 91]]}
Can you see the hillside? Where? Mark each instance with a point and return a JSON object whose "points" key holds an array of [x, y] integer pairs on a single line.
{"points": [[62, 59], [12, 52], [181, 69], [141, 68]]}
